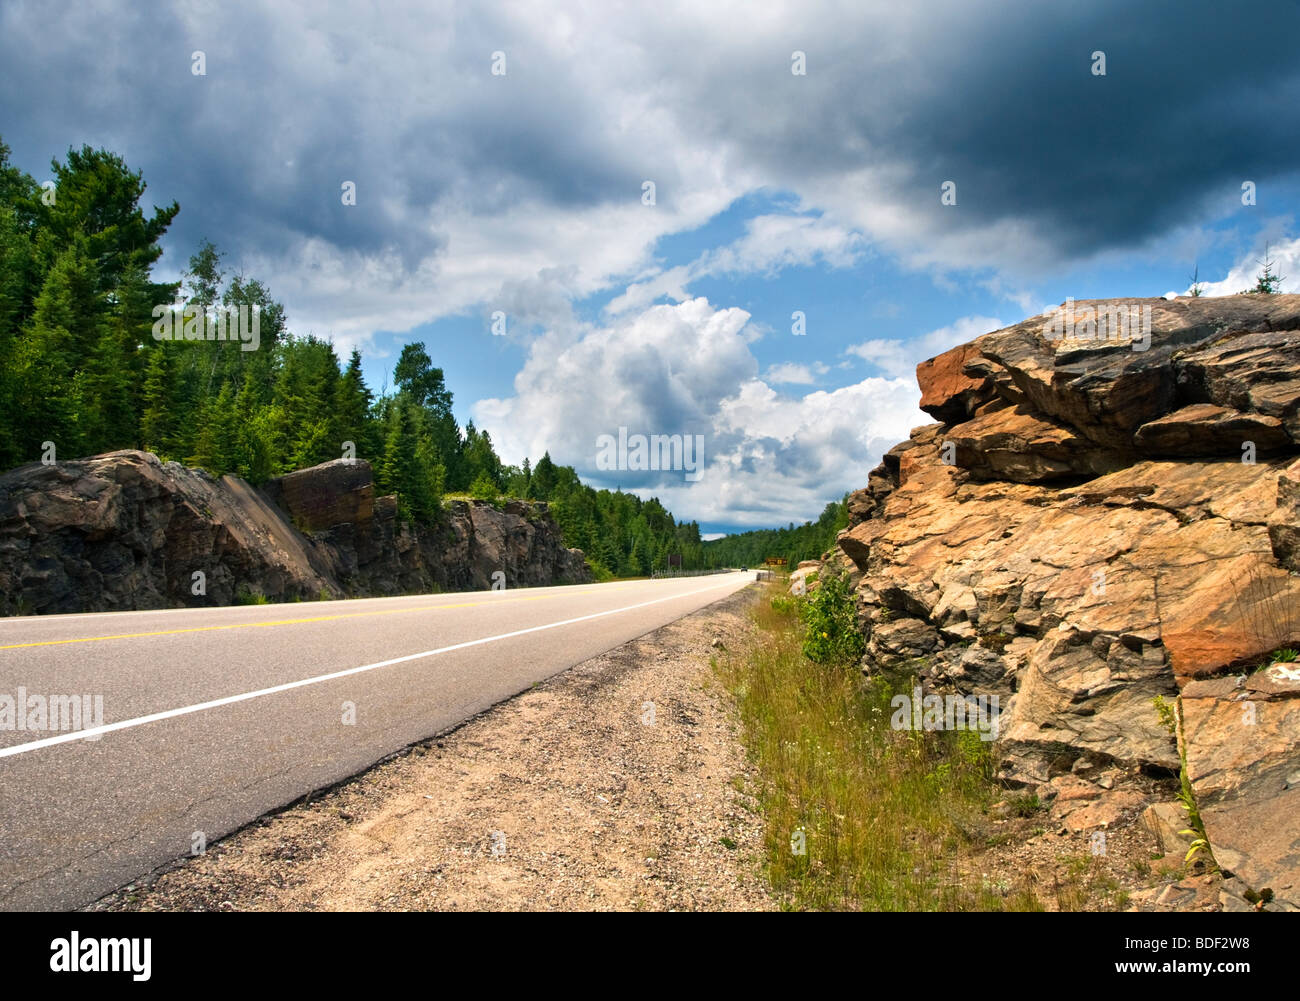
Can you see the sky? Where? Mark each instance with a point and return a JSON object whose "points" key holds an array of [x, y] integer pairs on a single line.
{"points": [[740, 222]]}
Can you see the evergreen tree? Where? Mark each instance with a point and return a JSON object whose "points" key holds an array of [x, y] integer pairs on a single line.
{"points": [[544, 479], [1266, 282], [158, 422], [352, 403]]}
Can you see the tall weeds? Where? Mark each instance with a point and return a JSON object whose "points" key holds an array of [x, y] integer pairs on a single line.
{"points": [[885, 817]]}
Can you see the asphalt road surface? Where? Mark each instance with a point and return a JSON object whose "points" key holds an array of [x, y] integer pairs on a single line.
{"points": [[212, 717]]}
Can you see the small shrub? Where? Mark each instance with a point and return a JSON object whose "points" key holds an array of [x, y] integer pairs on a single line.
{"points": [[995, 641], [1026, 805], [247, 596], [484, 488], [831, 622], [1165, 713], [785, 605], [599, 571]]}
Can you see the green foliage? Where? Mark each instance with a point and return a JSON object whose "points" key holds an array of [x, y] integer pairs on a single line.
{"points": [[830, 620], [247, 596], [857, 815], [484, 488], [1196, 827], [620, 534], [80, 366], [793, 543], [1025, 804], [1170, 714], [1165, 713], [1266, 282], [785, 605]]}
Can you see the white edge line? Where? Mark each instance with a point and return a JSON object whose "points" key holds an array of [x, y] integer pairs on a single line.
{"points": [[289, 607], [127, 724]]}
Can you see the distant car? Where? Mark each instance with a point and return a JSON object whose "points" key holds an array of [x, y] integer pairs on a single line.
{"points": [[744, 569]]}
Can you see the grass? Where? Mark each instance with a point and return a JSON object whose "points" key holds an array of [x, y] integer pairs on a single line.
{"points": [[1170, 715], [1286, 655], [1085, 881], [887, 816], [246, 596], [1024, 805], [498, 501]]}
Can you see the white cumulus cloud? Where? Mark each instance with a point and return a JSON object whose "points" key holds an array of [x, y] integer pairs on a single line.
{"points": [[899, 358], [687, 368]]}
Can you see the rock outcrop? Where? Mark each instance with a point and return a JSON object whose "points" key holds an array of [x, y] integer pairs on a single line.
{"points": [[1096, 521], [126, 531]]}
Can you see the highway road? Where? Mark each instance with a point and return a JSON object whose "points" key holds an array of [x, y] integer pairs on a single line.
{"points": [[211, 717]]}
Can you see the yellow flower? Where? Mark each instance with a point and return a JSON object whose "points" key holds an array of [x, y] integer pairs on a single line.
{"points": [[825, 636]]}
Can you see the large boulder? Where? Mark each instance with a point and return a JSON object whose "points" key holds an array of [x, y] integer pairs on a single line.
{"points": [[1097, 521], [126, 531], [334, 493]]}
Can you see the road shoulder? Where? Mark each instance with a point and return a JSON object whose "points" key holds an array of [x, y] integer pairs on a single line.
{"points": [[616, 785]]}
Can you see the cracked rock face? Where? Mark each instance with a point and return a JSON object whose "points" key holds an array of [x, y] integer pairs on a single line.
{"points": [[1090, 526], [1243, 758], [126, 531]]}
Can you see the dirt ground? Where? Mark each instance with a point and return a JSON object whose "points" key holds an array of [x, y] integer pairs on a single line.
{"points": [[612, 786]]}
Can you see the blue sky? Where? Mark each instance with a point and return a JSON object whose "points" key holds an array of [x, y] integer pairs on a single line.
{"points": [[775, 192]]}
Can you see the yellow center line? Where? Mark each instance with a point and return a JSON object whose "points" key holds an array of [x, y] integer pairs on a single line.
{"points": [[279, 622]]}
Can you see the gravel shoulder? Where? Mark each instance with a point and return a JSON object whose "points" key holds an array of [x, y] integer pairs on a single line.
{"points": [[616, 785]]}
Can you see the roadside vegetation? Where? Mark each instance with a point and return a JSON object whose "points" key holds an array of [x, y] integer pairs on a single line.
{"points": [[885, 818]]}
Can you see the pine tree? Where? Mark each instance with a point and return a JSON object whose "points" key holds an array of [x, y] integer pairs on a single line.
{"points": [[352, 403], [158, 422], [544, 479], [1266, 283], [253, 455], [66, 329]]}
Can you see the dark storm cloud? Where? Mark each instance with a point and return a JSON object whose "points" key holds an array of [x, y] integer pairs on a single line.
{"points": [[219, 144], [998, 98], [1196, 99], [257, 149], [1001, 99]]}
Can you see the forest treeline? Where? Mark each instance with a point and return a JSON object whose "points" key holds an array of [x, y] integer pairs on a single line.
{"points": [[81, 368], [792, 543]]}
